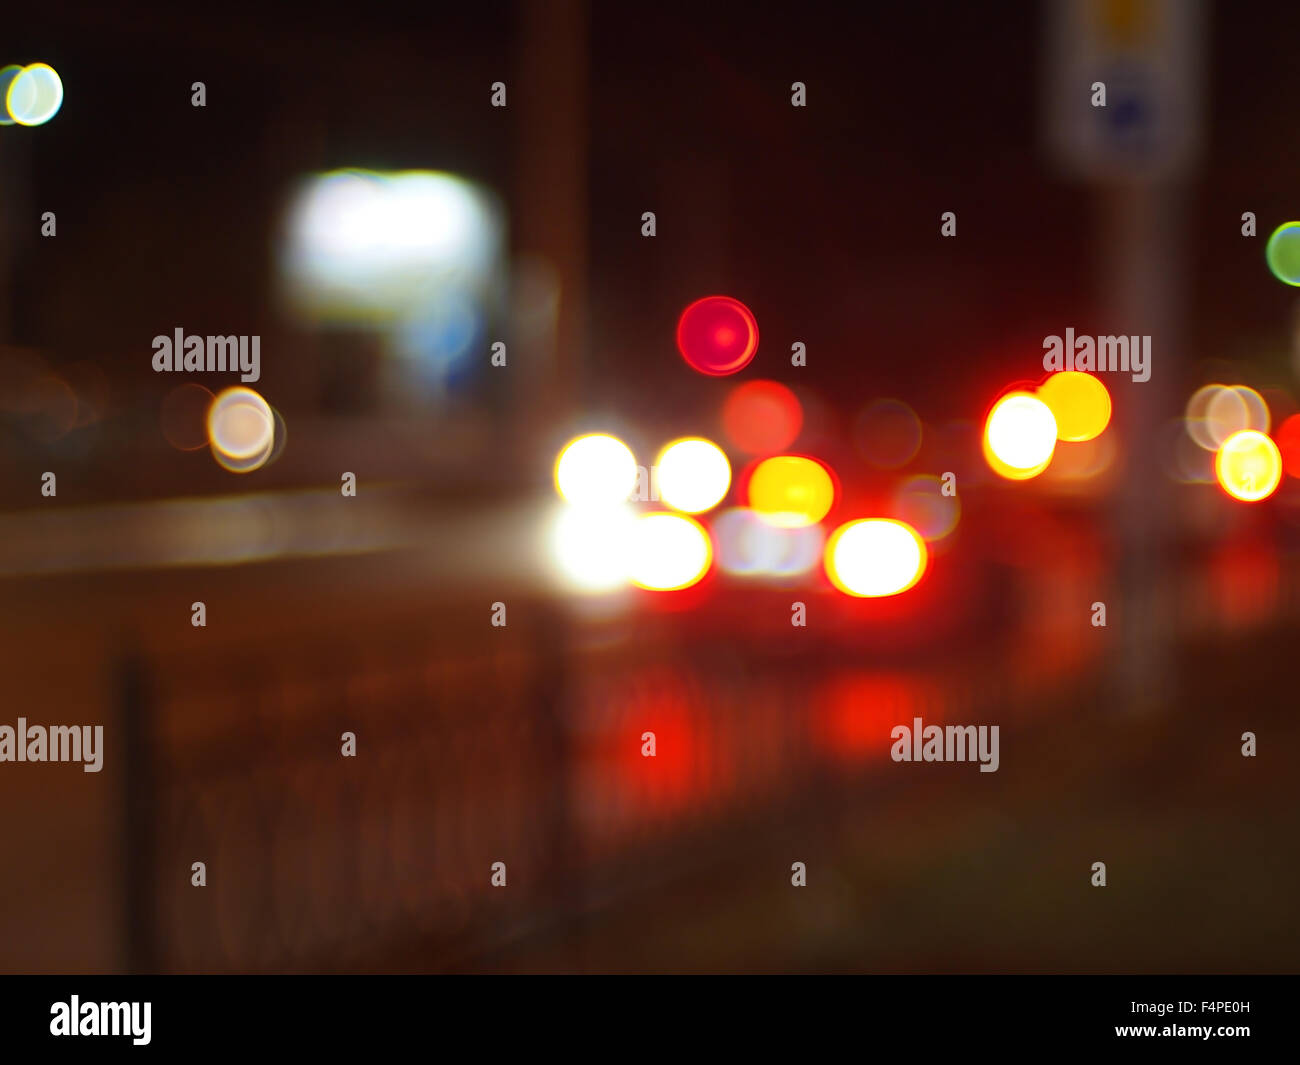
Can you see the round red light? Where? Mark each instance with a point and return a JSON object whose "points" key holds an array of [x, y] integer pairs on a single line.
{"points": [[1287, 439], [717, 335], [762, 417]]}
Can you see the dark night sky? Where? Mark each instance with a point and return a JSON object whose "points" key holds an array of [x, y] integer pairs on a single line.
{"points": [[825, 219]]}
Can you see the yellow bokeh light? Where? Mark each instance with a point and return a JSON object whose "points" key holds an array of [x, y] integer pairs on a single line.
{"points": [[35, 95], [694, 475], [875, 557], [1011, 473], [1019, 436], [1248, 466], [595, 469], [667, 552], [1079, 402], [791, 491]]}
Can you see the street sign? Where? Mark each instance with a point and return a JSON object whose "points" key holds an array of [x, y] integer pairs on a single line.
{"points": [[1148, 56]]}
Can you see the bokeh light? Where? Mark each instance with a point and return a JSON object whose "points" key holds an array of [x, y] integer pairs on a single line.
{"points": [[1019, 436], [414, 247], [1079, 402], [241, 429], [875, 557], [762, 417], [1215, 411], [920, 502], [717, 335], [1283, 253], [7, 75], [280, 437], [1248, 466], [667, 552], [694, 475], [1076, 462], [595, 469], [1288, 444], [1245, 582], [791, 491], [747, 546], [1258, 416], [888, 433], [35, 95], [853, 708], [590, 546], [1225, 414]]}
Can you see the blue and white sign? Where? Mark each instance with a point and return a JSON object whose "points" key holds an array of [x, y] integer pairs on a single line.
{"points": [[1148, 56]]}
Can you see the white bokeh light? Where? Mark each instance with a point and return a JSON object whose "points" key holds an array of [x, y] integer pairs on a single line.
{"points": [[1022, 431], [694, 475], [668, 551], [875, 557], [365, 242], [590, 546], [596, 469]]}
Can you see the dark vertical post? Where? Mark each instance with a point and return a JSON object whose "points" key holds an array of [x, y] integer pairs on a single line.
{"points": [[1142, 289], [550, 220]]}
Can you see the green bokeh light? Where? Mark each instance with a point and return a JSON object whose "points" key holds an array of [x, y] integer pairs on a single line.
{"points": [[1283, 253], [7, 75]]}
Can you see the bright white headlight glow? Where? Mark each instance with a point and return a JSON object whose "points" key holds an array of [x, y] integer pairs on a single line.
{"points": [[590, 546], [595, 469], [1022, 431], [875, 557], [668, 551], [694, 475]]}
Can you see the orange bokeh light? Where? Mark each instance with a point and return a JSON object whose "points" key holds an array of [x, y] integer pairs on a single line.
{"points": [[762, 417]]}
